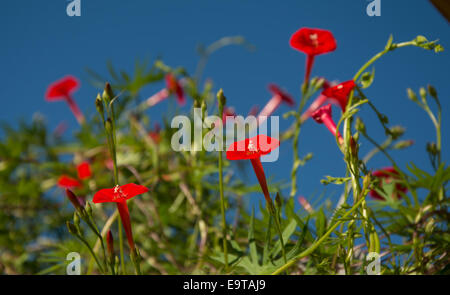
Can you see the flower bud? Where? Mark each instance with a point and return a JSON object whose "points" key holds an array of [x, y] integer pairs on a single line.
{"points": [[278, 201], [99, 104], [72, 229], [74, 200], [108, 94], [432, 148], [423, 94], [88, 209], [110, 246], [403, 144], [396, 131], [432, 91], [412, 95], [221, 97]]}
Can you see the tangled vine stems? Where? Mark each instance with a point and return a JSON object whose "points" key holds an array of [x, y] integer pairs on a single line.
{"points": [[365, 191], [349, 155]]}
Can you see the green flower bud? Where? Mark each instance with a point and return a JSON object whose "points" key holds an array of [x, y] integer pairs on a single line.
{"points": [[88, 208], [108, 125], [397, 131], [108, 94], [99, 104], [412, 95], [221, 97], [72, 229], [278, 201], [432, 91]]}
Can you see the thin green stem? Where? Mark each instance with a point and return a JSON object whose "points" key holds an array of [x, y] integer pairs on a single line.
{"points": [[316, 244], [222, 198]]}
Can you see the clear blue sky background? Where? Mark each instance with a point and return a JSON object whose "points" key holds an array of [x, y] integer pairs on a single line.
{"points": [[40, 43]]}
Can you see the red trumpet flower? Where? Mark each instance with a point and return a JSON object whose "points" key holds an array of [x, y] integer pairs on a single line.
{"points": [[65, 181], [388, 175], [172, 86], [252, 149], [312, 42], [62, 90], [120, 195], [84, 171], [278, 97], [339, 93], [323, 116]]}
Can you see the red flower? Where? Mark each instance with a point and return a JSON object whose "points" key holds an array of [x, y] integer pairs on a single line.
{"points": [[252, 149], [172, 86], [316, 103], [62, 90], [253, 111], [278, 97], [84, 171], [155, 133], [323, 116], [120, 195], [339, 93], [65, 181], [312, 42], [228, 112], [175, 87], [388, 175]]}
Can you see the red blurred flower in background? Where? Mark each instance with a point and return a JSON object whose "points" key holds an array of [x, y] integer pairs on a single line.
{"points": [[120, 195], [173, 86], [84, 172], [278, 96], [252, 149], [388, 175], [312, 42], [62, 90]]}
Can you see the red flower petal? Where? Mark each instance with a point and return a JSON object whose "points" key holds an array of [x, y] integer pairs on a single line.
{"points": [[252, 148], [284, 95], [84, 170], [320, 114], [174, 86], [62, 88], [340, 92], [119, 193], [387, 175], [228, 111], [65, 181], [313, 41]]}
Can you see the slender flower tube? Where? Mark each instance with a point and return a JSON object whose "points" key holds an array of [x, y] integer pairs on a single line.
{"points": [[388, 175], [62, 90], [173, 86], [278, 97], [120, 195], [323, 116], [252, 149], [312, 42]]}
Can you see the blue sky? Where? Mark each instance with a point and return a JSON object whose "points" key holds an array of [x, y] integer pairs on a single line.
{"points": [[40, 44]]}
